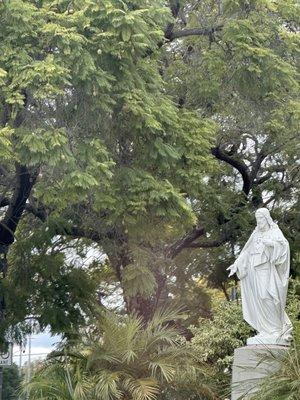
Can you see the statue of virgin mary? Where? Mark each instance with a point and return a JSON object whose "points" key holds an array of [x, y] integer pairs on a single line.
{"points": [[263, 268]]}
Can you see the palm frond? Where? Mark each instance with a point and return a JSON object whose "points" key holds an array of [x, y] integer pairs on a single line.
{"points": [[161, 367], [285, 383], [166, 314], [106, 386], [142, 389]]}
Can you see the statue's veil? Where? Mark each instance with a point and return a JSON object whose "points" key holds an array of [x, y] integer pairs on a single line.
{"points": [[266, 213]]}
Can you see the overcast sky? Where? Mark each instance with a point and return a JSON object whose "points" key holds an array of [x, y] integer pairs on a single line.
{"points": [[41, 345]]}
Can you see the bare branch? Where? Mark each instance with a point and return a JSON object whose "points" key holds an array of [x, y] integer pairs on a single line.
{"points": [[256, 166], [262, 179], [38, 212], [175, 7], [25, 182], [285, 187], [4, 202], [268, 175], [208, 244], [172, 35], [173, 250], [237, 164]]}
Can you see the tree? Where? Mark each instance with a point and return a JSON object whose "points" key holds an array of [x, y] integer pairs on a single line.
{"points": [[239, 68], [11, 382], [145, 130], [88, 133]]}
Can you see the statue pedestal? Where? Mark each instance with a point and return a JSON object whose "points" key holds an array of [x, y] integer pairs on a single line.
{"points": [[251, 364]]}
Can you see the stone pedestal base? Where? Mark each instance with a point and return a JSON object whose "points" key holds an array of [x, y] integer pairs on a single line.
{"points": [[251, 364]]}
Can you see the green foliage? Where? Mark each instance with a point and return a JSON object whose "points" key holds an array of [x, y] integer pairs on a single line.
{"points": [[244, 76], [41, 147], [213, 343], [293, 306], [122, 359], [117, 125], [138, 280], [58, 58], [49, 285], [286, 382], [85, 107], [215, 339], [5, 143], [11, 382]]}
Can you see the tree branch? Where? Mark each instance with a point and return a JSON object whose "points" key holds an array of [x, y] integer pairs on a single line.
{"points": [[79, 233], [285, 187], [256, 166], [239, 165], [173, 250], [208, 244], [4, 202], [188, 241], [175, 7], [38, 212], [262, 179], [74, 231], [172, 35], [16, 206], [5, 115]]}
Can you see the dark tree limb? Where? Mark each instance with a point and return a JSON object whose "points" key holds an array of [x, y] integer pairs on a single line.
{"points": [[38, 212], [173, 250], [74, 231], [262, 179], [171, 35], [25, 181], [4, 202], [285, 186], [175, 7], [5, 114], [209, 244], [256, 166], [79, 233], [188, 242], [8, 225], [230, 157], [268, 175], [239, 165]]}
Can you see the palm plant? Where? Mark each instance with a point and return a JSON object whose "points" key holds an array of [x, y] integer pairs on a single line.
{"points": [[285, 383], [128, 360], [60, 379]]}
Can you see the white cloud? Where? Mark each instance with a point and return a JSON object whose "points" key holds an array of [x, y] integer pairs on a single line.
{"points": [[41, 345]]}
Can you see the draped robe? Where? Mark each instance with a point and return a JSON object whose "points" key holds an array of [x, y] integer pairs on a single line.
{"points": [[264, 271]]}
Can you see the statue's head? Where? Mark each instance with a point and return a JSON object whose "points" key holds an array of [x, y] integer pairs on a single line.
{"points": [[263, 219]]}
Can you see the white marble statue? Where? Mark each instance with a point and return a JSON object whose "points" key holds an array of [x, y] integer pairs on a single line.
{"points": [[263, 268]]}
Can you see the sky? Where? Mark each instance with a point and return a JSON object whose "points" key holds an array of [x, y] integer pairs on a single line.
{"points": [[41, 345]]}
